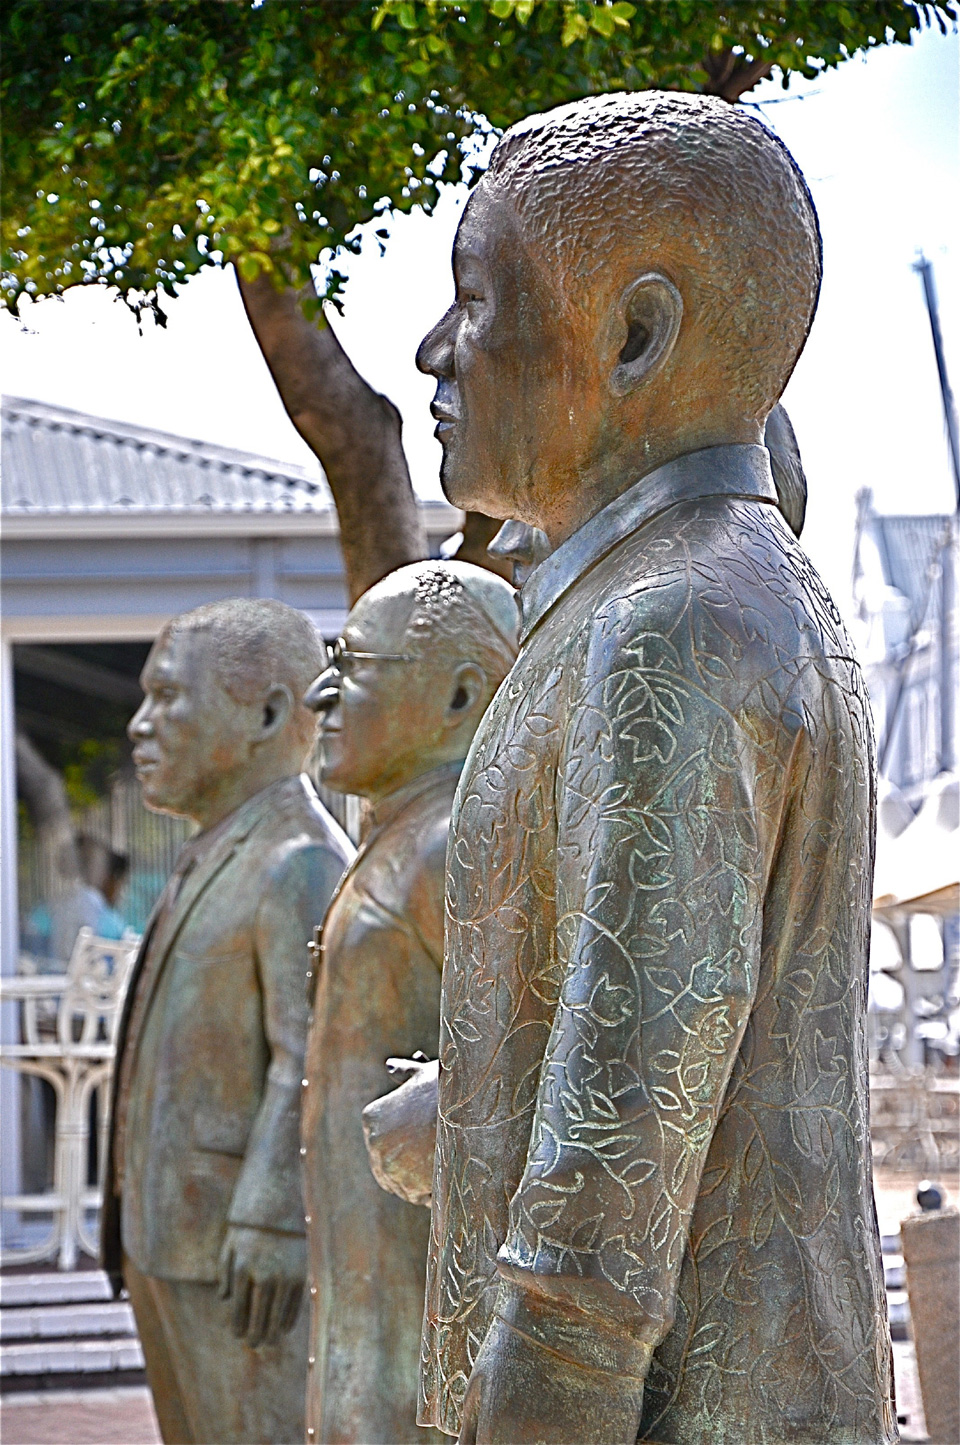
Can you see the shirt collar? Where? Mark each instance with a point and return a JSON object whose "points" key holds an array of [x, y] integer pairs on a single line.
{"points": [[388, 807], [730, 471]]}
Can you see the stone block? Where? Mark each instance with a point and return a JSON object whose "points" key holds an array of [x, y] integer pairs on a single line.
{"points": [[931, 1251]]}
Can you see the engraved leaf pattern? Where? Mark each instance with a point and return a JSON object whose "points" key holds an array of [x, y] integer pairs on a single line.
{"points": [[653, 1083]]}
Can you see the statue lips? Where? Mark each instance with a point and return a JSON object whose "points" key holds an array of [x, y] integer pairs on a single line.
{"points": [[444, 413], [144, 762]]}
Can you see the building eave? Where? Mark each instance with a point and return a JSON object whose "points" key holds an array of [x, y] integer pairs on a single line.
{"points": [[439, 519]]}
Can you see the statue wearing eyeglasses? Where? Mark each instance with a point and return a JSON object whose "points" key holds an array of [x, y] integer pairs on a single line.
{"points": [[421, 656]]}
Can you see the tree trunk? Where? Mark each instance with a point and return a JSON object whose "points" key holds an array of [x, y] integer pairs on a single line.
{"points": [[352, 429], [730, 76], [45, 798]]}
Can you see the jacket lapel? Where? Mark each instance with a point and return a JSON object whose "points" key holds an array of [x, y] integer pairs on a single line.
{"points": [[165, 924]]}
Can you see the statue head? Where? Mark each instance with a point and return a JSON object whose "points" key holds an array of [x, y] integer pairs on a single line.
{"points": [[222, 715], [636, 275], [421, 655], [522, 546]]}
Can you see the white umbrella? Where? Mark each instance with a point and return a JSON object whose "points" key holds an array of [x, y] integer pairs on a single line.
{"points": [[919, 870]]}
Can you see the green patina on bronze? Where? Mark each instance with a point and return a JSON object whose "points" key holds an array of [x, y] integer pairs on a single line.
{"points": [[422, 654], [203, 1217], [652, 1211]]}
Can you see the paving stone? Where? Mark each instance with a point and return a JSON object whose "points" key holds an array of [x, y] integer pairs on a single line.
{"points": [[80, 1417], [63, 1321]]}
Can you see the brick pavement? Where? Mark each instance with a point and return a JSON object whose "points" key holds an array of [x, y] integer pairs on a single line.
{"points": [[79, 1417]]}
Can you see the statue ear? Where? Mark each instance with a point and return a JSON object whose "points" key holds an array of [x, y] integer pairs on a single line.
{"points": [[469, 682], [277, 707], [650, 309]]}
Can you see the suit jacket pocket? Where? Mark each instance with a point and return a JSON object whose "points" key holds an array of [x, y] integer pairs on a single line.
{"points": [[217, 1133]]}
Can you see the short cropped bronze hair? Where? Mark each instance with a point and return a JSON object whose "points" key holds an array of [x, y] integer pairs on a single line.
{"points": [[258, 643], [616, 185]]}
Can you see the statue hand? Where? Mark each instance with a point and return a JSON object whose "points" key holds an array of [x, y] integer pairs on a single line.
{"points": [[401, 1130], [262, 1272], [520, 1393]]}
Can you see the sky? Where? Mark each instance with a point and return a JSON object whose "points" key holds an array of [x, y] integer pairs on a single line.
{"points": [[878, 142]]}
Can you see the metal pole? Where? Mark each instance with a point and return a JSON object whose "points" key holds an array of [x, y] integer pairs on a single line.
{"points": [[10, 1157], [925, 269]]}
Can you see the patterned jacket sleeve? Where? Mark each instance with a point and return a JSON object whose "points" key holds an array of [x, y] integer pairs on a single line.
{"points": [[659, 921]]}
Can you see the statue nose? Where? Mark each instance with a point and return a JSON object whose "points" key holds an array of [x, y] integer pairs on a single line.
{"points": [[324, 692]]}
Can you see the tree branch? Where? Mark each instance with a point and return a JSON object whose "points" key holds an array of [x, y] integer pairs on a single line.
{"points": [[45, 797], [730, 76], [353, 430]]}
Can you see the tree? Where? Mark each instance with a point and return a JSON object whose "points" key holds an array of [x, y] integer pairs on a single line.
{"points": [[147, 139]]}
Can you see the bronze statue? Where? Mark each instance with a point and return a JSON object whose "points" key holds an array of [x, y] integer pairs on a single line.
{"points": [[525, 546], [652, 1213], [421, 655], [203, 1216], [522, 546]]}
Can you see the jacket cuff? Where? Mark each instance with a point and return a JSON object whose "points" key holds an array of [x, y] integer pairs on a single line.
{"points": [[276, 1227], [576, 1335]]}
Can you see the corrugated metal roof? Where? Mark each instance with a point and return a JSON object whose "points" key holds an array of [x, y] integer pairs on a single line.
{"points": [[907, 549], [59, 462]]}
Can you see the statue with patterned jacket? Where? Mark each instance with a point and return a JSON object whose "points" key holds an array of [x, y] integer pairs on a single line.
{"points": [[652, 1214]]}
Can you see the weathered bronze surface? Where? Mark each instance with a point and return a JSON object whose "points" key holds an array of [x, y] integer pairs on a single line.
{"points": [[652, 1210], [400, 1130], [522, 546], [525, 546], [203, 1216], [422, 654]]}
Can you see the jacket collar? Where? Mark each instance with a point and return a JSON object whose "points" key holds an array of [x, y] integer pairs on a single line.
{"points": [[729, 471], [202, 857], [393, 804]]}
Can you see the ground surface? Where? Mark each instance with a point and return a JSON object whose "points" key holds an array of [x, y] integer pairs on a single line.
{"points": [[80, 1417], [125, 1416]]}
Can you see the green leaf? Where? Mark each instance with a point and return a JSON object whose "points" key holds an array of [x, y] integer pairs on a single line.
{"points": [[249, 266], [291, 120], [603, 21], [574, 28]]}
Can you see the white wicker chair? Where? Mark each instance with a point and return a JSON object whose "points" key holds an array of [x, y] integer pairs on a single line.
{"points": [[68, 1037]]}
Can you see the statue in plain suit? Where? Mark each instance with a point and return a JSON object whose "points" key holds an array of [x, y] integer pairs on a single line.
{"points": [[422, 654], [203, 1216]]}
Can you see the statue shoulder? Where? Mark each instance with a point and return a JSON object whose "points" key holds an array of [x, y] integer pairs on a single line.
{"points": [[726, 584], [302, 823], [412, 856], [301, 845]]}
